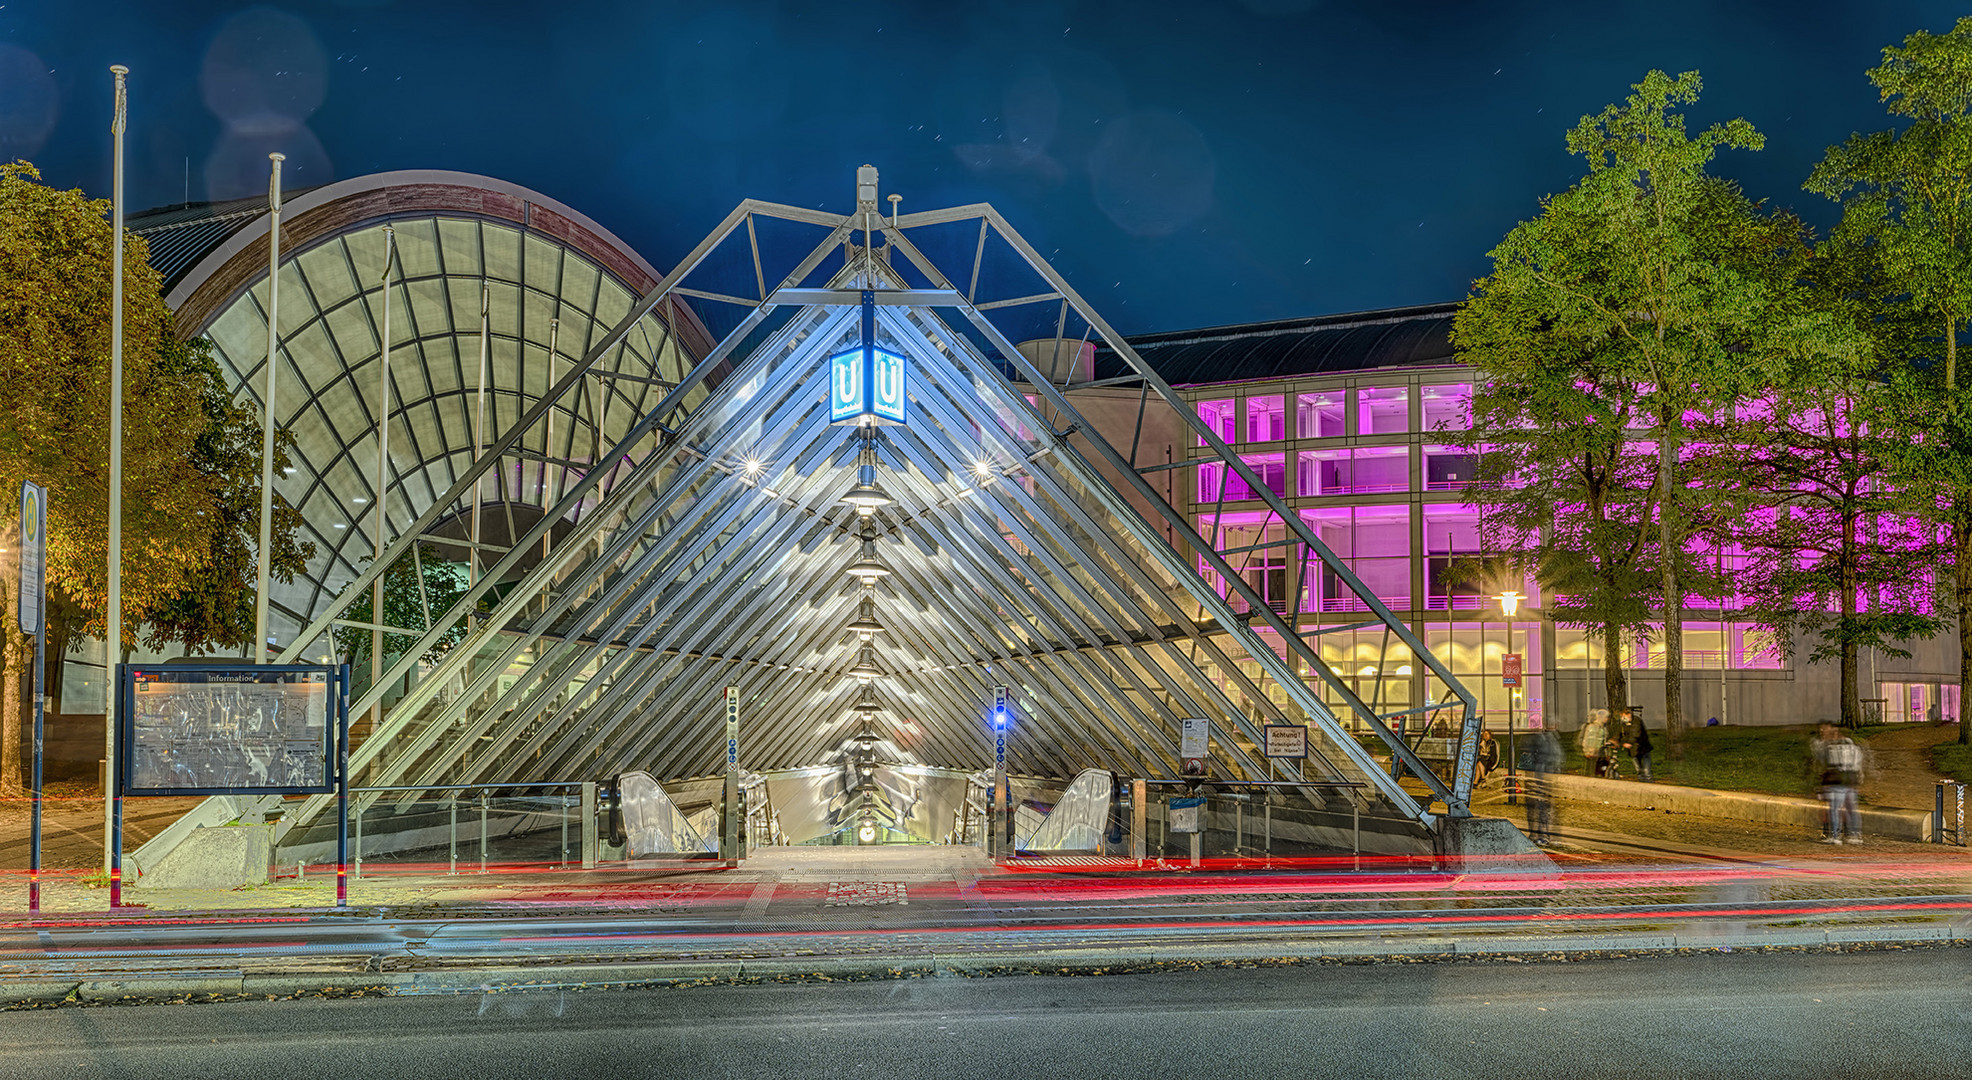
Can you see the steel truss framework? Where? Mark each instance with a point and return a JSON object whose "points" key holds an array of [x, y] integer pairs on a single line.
{"points": [[712, 551]]}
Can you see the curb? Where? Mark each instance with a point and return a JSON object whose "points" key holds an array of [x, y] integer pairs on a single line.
{"points": [[1078, 960]]}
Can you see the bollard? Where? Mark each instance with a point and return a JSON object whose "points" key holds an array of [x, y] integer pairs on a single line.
{"points": [[1938, 813]]}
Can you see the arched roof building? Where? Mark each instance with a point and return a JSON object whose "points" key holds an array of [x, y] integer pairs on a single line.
{"points": [[549, 280]]}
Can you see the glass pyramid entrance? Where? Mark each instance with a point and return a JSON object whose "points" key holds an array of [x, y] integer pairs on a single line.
{"points": [[967, 527]]}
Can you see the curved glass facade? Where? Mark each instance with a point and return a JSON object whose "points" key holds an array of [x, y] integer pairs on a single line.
{"points": [[546, 306]]}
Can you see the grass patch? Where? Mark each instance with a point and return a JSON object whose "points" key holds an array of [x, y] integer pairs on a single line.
{"points": [[1768, 760], [1954, 760]]}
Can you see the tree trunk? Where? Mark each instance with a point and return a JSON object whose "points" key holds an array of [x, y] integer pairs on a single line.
{"points": [[12, 780], [1851, 695], [1614, 684], [1668, 552]]}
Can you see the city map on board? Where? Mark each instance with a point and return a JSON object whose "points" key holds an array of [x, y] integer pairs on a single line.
{"points": [[242, 730]]}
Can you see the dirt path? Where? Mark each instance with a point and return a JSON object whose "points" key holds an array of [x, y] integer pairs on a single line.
{"points": [[1900, 772]]}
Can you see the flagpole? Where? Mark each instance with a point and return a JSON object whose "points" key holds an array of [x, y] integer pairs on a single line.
{"points": [[383, 477], [113, 640], [263, 575]]}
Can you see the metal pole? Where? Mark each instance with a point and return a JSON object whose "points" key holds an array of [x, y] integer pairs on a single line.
{"points": [[453, 834], [1512, 775], [479, 438], [589, 836], [564, 828], [40, 655], [548, 443], [263, 573], [482, 830], [729, 806], [113, 635], [1139, 820], [1001, 842], [383, 477], [342, 791]]}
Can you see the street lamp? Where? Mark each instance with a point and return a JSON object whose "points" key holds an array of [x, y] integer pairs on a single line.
{"points": [[1510, 675]]}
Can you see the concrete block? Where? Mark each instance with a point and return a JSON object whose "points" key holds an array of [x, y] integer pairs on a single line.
{"points": [[13, 990], [160, 986], [219, 857], [1481, 844], [1887, 822]]}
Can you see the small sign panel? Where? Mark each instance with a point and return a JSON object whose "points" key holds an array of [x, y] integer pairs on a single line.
{"points": [[867, 382], [1287, 741], [1194, 737], [1510, 669], [732, 727], [34, 547], [1185, 814]]}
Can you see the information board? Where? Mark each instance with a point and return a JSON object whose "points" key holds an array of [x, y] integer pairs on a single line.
{"points": [[228, 729]]}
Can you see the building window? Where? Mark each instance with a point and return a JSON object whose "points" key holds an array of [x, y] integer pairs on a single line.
{"points": [[1383, 410], [1319, 415], [1374, 542], [1266, 420], [1447, 408], [1219, 416], [1271, 468], [1342, 472], [1449, 469]]}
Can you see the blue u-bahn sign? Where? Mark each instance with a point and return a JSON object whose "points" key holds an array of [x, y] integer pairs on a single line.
{"points": [[866, 382]]}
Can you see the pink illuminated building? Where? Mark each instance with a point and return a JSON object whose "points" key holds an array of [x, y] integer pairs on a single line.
{"points": [[1348, 418]]}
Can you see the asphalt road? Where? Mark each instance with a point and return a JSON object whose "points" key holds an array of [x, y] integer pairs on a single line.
{"points": [[1880, 1014]]}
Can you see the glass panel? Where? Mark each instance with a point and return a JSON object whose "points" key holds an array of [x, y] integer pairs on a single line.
{"points": [[1219, 416], [1383, 411], [1381, 468], [1319, 415], [1375, 543], [1448, 407], [1266, 420], [1449, 468]]}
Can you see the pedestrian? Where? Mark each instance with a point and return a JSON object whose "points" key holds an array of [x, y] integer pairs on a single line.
{"points": [[1637, 733], [1936, 713], [1840, 760], [1489, 757], [1594, 734], [1540, 760]]}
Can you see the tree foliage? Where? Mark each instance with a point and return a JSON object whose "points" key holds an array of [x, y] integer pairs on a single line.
{"points": [[182, 480], [1635, 294], [1907, 198]]}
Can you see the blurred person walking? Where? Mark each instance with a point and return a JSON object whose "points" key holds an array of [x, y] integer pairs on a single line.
{"points": [[1541, 759], [1840, 761]]}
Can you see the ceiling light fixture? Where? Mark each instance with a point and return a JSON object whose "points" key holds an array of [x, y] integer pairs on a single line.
{"points": [[866, 496], [866, 623]]}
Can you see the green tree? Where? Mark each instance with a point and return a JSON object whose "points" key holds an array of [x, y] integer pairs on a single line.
{"points": [[1831, 546], [1564, 483], [214, 605], [55, 302], [1642, 269], [1907, 196]]}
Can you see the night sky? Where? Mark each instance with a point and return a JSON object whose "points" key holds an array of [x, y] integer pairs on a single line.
{"points": [[1186, 164]]}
